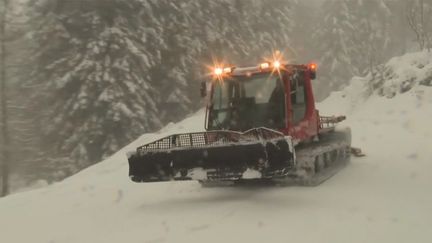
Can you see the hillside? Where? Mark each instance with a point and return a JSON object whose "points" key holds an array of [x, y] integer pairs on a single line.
{"points": [[384, 197]]}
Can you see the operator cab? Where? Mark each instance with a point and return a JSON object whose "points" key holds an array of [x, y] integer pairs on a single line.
{"points": [[240, 103], [245, 98]]}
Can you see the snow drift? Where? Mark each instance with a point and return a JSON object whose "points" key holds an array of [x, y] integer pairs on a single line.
{"points": [[384, 197]]}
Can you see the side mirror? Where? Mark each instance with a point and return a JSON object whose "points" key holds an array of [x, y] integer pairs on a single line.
{"points": [[203, 89], [313, 75]]}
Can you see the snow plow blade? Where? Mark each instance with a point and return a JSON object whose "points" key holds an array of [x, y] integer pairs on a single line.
{"points": [[213, 156]]}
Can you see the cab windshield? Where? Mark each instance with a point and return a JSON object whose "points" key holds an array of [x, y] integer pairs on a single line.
{"points": [[242, 103]]}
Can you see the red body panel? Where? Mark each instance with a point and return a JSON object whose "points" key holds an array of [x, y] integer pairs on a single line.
{"points": [[309, 126]]}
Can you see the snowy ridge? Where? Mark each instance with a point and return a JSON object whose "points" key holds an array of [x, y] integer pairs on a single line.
{"points": [[404, 73], [384, 197], [410, 74]]}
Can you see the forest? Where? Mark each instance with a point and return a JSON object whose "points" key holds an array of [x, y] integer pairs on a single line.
{"points": [[80, 79]]}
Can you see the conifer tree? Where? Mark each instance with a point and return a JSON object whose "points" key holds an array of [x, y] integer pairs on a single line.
{"points": [[93, 71], [4, 122], [107, 71], [352, 38]]}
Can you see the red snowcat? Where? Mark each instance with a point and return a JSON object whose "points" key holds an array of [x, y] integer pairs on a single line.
{"points": [[261, 125]]}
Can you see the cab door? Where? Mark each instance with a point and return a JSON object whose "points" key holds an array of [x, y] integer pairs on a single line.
{"points": [[303, 118]]}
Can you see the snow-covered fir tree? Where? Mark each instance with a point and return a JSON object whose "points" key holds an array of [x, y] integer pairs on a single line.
{"points": [[93, 71], [352, 38], [20, 129], [106, 71]]}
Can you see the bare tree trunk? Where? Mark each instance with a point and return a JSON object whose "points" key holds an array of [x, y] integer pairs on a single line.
{"points": [[416, 20], [4, 112], [425, 34], [412, 13], [425, 26]]}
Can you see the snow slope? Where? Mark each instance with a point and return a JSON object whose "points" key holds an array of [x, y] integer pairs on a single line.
{"points": [[384, 197]]}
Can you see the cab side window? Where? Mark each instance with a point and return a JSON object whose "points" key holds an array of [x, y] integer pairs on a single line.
{"points": [[298, 97]]}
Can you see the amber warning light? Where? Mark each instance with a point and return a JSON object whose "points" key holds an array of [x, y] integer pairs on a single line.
{"points": [[218, 71], [313, 66], [276, 64]]}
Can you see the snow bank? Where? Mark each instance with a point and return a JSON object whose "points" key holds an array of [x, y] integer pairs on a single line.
{"points": [[401, 74], [384, 197], [410, 73]]}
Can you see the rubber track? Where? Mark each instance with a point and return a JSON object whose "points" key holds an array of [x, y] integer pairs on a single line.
{"points": [[305, 157]]}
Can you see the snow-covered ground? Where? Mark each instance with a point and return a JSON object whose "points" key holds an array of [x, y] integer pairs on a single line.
{"points": [[384, 197]]}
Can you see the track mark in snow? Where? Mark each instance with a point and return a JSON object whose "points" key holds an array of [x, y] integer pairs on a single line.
{"points": [[229, 214], [413, 156], [165, 226], [156, 240], [87, 188], [199, 227], [119, 196], [394, 219], [354, 209]]}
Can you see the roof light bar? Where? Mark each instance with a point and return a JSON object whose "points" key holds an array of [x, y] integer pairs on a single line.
{"points": [[264, 65], [228, 70], [276, 65]]}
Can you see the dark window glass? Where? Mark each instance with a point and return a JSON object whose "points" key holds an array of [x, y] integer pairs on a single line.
{"points": [[243, 103], [298, 97]]}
